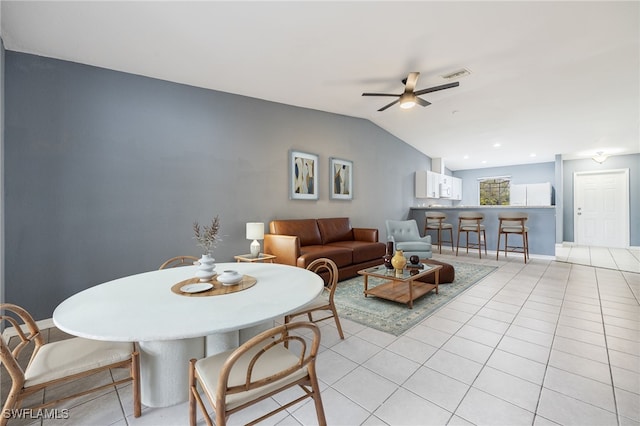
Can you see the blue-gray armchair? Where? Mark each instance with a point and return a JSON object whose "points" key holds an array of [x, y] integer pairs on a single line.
{"points": [[406, 237]]}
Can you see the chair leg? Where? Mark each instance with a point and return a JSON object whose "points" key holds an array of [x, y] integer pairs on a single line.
{"points": [[192, 388], [451, 238], [484, 236], [335, 317], [135, 374], [458, 243], [317, 399], [439, 240]]}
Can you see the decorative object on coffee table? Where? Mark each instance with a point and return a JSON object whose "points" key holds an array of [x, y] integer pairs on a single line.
{"points": [[389, 254], [399, 262]]}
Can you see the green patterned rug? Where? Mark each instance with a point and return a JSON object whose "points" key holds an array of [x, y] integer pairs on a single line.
{"points": [[396, 318]]}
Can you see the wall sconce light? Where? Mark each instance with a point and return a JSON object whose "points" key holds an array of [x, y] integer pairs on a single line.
{"points": [[600, 157], [255, 232]]}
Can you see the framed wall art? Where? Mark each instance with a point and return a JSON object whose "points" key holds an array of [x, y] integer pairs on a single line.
{"points": [[341, 179], [303, 176]]}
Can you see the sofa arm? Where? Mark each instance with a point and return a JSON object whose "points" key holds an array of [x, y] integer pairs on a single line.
{"points": [[286, 248], [365, 234]]}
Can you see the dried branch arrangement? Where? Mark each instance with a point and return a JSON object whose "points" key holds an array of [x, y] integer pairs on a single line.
{"points": [[207, 236]]}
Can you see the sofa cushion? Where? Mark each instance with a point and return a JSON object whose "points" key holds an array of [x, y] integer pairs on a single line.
{"points": [[362, 251], [305, 229], [335, 229], [340, 255]]}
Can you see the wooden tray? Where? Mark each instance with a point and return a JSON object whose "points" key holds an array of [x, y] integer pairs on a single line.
{"points": [[218, 287]]}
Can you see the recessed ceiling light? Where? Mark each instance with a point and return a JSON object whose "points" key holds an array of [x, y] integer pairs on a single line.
{"points": [[496, 145], [466, 157], [484, 161]]}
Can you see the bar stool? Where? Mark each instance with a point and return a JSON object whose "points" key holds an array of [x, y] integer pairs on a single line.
{"points": [[513, 223], [472, 222], [434, 223]]}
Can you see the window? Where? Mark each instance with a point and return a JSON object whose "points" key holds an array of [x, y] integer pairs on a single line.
{"points": [[494, 191]]}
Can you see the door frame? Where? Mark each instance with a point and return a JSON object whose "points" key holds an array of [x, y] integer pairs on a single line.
{"points": [[624, 207]]}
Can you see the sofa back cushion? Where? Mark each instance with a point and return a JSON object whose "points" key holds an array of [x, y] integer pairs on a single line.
{"points": [[335, 229], [305, 229]]}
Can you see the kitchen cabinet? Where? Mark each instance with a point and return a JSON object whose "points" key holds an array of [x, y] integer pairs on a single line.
{"points": [[456, 188], [427, 184], [533, 194]]}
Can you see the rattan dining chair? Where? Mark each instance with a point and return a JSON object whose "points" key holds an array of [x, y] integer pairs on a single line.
{"points": [[179, 261], [59, 362], [260, 368], [327, 269]]}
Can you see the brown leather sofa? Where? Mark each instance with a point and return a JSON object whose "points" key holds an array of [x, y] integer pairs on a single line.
{"points": [[299, 242]]}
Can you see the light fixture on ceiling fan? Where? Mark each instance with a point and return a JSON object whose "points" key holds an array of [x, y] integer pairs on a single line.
{"points": [[410, 97], [600, 157]]}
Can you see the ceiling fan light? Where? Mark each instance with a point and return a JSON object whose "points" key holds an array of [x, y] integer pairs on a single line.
{"points": [[407, 104], [407, 101]]}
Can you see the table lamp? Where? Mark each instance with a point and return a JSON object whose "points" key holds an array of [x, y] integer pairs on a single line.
{"points": [[255, 232]]}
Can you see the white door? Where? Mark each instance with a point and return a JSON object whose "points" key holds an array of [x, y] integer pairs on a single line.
{"points": [[601, 208]]}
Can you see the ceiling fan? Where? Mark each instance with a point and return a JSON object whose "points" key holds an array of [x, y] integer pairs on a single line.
{"points": [[410, 98]]}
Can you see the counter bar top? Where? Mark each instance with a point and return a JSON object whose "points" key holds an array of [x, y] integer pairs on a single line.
{"points": [[435, 207]]}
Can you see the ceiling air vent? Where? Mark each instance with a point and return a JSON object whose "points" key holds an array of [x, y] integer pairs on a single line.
{"points": [[456, 74]]}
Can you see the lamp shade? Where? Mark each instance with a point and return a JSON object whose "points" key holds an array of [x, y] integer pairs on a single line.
{"points": [[255, 231]]}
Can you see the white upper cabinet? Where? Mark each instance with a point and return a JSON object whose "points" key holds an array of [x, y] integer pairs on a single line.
{"points": [[456, 188], [427, 184]]}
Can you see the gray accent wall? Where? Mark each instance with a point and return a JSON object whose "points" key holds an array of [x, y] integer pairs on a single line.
{"points": [[105, 173]]}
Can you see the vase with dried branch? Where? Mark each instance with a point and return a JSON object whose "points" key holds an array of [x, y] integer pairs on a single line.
{"points": [[207, 238]]}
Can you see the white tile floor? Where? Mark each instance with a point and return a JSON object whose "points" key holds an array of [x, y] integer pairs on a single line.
{"points": [[537, 344]]}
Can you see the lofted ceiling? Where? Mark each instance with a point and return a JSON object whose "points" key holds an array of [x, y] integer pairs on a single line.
{"points": [[546, 78]]}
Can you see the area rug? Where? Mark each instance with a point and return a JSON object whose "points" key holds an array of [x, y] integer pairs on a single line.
{"points": [[396, 318]]}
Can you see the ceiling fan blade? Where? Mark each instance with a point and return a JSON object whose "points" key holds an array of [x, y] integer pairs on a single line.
{"points": [[388, 105], [422, 102], [412, 79], [379, 94], [436, 88]]}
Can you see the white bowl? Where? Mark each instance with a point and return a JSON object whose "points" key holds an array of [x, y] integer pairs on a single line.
{"points": [[229, 277]]}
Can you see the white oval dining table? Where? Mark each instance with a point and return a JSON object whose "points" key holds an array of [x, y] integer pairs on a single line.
{"points": [[172, 328]]}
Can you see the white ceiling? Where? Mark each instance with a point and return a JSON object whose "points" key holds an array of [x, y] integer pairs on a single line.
{"points": [[546, 77]]}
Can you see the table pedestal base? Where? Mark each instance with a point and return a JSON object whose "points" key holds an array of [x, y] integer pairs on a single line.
{"points": [[163, 370]]}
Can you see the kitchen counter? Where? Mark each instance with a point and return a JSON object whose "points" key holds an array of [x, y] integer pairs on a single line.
{"points": [[436, 207], [541, 224]]}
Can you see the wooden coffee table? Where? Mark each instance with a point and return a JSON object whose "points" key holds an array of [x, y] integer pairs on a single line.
{"points": [[401, 288]]}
